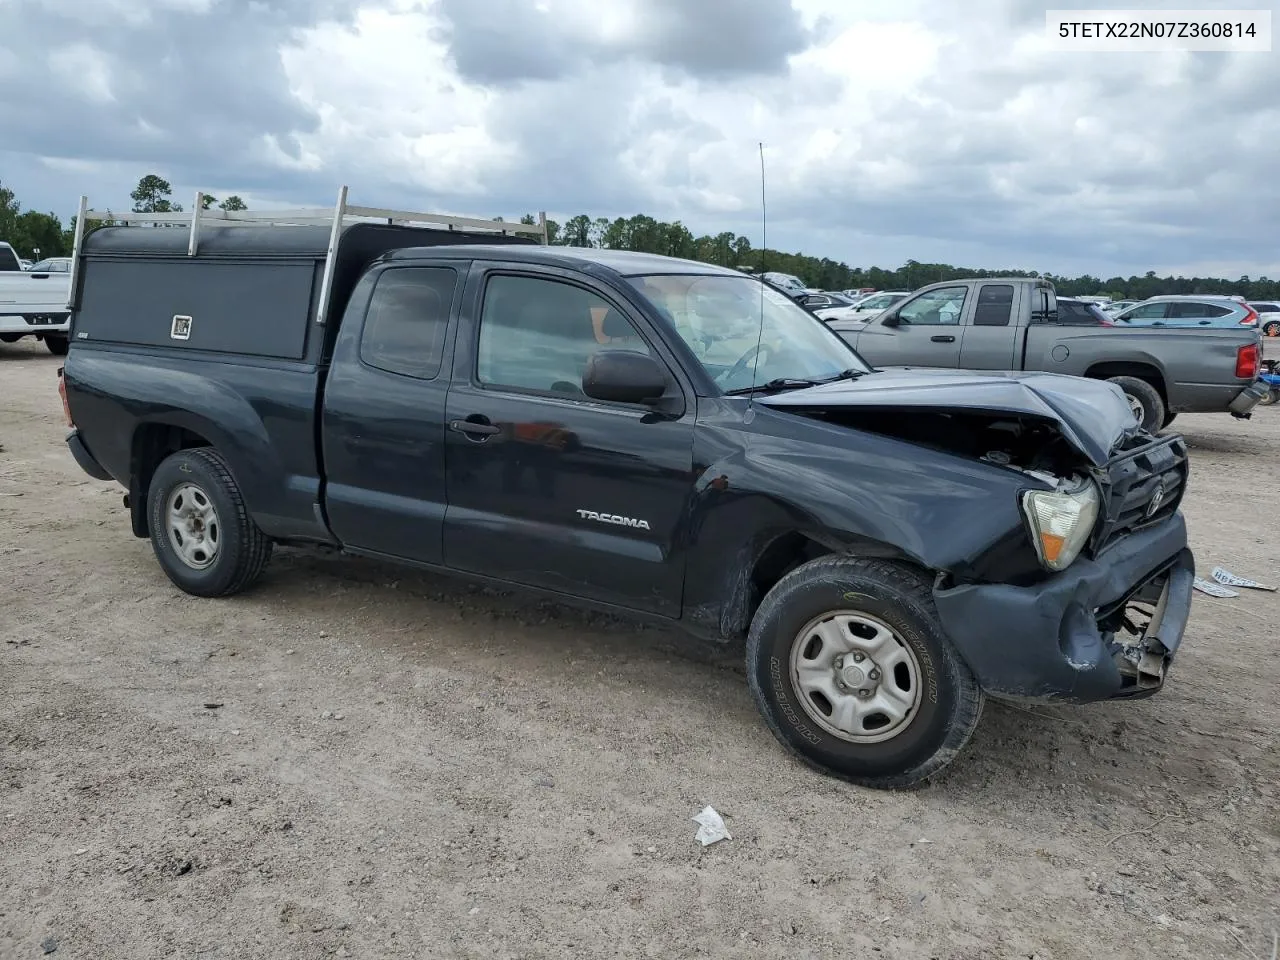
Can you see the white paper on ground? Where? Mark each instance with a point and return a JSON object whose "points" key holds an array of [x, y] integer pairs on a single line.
{"points": [[1231, 580], [1212, 589], [711, 827]]}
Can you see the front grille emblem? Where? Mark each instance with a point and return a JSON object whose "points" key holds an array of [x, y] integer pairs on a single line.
{"points": [[1156, 500]]}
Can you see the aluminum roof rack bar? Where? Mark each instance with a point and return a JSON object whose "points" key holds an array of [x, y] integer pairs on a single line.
{"points": [[199, 219], [331, 257]]}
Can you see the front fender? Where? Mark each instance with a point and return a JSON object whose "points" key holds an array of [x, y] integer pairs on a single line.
{"points": [[846, 490]]}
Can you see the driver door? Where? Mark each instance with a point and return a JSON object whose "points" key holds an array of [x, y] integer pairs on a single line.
{"points": [[927, 334], [546, 486]]}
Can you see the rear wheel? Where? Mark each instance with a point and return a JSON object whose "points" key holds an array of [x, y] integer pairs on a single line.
{"points": [[1169, 418], [1144, 400], [1269, 399], [1271, 328], [850, 666], [201, 531], [58, 346]]}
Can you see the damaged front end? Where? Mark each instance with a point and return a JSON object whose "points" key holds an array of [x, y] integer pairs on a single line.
{"points": [[1089, 599]]}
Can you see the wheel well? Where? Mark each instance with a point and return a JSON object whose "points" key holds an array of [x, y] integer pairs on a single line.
{"points": [[1139, 371], [152, 442], [782, 555]]}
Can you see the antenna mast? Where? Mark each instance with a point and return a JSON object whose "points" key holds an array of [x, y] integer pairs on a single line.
{"points": [[764, 245]]}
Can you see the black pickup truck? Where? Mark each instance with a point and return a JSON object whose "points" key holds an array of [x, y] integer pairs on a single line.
{"points": [[642, 434]]}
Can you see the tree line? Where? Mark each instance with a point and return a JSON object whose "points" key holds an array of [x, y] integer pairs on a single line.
{"points": [[29, 230]]}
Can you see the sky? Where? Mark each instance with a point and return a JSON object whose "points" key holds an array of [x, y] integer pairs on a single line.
{"points": [[933, 130]]}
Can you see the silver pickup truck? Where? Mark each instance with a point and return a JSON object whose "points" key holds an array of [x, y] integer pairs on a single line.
{"points": [[1011, 323]]}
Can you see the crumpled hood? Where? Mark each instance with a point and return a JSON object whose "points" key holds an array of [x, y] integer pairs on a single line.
{"points": [[1093, 415]]}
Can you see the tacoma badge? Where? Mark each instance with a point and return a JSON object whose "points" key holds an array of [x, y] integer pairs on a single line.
{"points": [[614, 519]]}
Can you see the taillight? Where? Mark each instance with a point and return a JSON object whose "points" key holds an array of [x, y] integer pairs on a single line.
{"points": [[62, 392], [1247, 362], [1250, 318]]}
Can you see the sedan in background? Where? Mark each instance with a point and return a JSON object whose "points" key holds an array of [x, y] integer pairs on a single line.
{"points": [[1268, 316], [1189, 311], [876, 304], [51, 265], [828, 306], [1082, 313], [1119, 306]]}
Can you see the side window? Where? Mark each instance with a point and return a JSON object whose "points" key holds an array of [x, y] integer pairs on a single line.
{"points": [[1148, 311], [937, 307], [1265, 307], [995, 305], [538, 334], [407, 319], [1196, 311]]}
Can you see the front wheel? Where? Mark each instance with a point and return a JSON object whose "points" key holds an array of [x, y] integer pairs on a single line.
{"points": [[849, 664], [201, 531], [1144, 400]]}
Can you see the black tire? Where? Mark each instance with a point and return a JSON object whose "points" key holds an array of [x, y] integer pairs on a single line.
{"points": [[242, 550], [10, 337], [950, 701], [1169, 418], [58, 346], [1269, 399], [1271, 328], [1153, 411]]}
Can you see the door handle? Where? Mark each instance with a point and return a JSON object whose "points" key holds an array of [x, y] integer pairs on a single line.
{"points": [[943, 339], [476, 428]]}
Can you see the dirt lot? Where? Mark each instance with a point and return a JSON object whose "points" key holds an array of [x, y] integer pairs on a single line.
{"points": [[407, 766]]}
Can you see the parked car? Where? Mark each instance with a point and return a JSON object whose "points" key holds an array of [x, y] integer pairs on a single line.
{"points": [[889, 546], [33, 304], [51, 265], [828, 306], [877, 303], [1189, 311], [1270, 324], [1118, 306], [792, 284], [1012, 323], [24, 264], [1076, 312]]}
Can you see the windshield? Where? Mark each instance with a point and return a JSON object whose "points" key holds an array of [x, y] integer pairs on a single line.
{"points": [[719, 318]]}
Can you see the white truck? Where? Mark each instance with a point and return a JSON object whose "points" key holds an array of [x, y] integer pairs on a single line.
{"points": [[33, 303]]}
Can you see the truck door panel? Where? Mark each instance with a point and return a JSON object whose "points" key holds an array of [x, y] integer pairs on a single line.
{"points": [[990, 336], [383, 418], [547, 487], [928, 333]]}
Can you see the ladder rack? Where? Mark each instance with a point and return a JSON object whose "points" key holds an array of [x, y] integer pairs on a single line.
{"points": [[334, 217]]}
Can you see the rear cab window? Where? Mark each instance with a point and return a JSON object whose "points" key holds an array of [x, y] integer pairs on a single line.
{"points": [[995, 305], [408, 316]]}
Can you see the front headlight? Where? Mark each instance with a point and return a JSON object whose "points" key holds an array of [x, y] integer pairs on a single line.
{"points": [[1061, 521]]}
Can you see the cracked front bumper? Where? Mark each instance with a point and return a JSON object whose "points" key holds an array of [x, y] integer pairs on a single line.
{"points": [[1082, 635]]}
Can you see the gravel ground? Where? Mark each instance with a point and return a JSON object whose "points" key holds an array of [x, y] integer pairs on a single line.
{"points": [[356, 760]]}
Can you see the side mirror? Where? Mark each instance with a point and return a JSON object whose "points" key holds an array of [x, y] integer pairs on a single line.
{"points": [[891, 320], [624, 376]]}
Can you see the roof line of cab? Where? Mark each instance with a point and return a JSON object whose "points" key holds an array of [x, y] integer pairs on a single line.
{"points": [[625, 263]]}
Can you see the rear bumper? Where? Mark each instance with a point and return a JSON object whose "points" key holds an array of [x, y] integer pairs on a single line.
{"points": [[1057, 640], [56, 321], [84, 458], [1248, 398], [1235, 398]]}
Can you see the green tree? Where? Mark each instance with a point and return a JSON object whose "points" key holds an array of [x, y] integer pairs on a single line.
{"points": [[233, 203], [152, 196]]}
